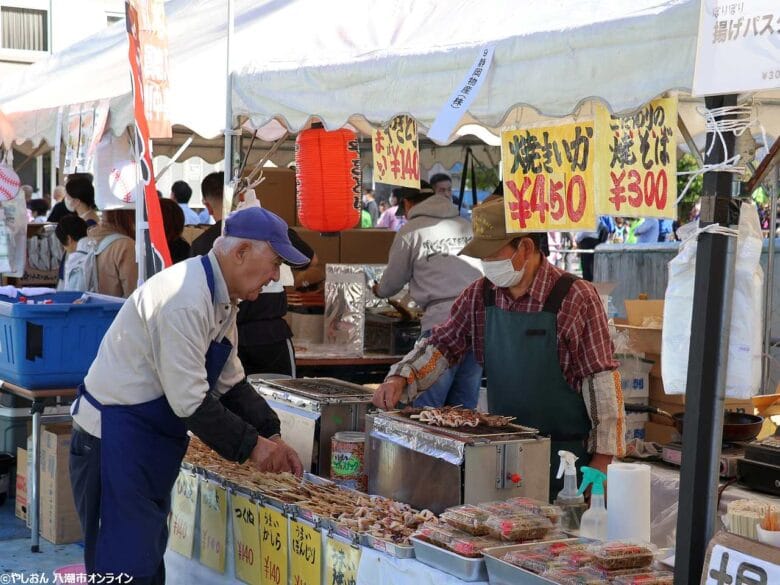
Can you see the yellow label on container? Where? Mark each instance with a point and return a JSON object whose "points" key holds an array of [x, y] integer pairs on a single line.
{"points": [[246, 539], [305, 555], [341, 563], [183, 508], [273, 546], [213, 525]]}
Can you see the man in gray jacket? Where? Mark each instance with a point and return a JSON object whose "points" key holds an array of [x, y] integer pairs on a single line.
{"points": [[425, 255]]}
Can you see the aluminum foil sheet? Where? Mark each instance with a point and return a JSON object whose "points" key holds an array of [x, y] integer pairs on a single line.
{"points": [[418, 439], [345, 308], [373, 274]]}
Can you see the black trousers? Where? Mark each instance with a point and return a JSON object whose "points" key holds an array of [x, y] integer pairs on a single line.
{"points": [[587, 260], [85, 481], [268, 358]]}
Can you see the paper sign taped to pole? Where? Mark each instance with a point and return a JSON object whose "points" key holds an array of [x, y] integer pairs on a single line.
{"points": [[396, 154], [213, 525]]}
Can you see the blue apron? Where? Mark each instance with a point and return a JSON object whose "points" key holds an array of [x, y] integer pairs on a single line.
{"points": [[142, 446], [525, 379]]}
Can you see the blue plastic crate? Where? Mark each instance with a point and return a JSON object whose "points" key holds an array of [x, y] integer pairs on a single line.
{"points": [[52, 346]]}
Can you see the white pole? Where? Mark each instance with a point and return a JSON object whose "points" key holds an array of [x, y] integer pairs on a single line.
{"points": [[39, 174], [227, 200]]}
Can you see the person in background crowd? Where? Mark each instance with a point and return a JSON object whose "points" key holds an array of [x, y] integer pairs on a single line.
{"points": [[665, 230], [39, 209], [589, 240], [441, 184], [365, 219], [173, 222], [393, 217], [264, 337], [168, 366], [383, 205], [71, 231], [181, 192], [28, 193], [543, 337], [646, 231], [59, 210], [117, 270], [370, 205], [80, 198], [619, 235], [425, 254]]}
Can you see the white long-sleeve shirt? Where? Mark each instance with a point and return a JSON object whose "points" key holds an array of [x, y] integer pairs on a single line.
{"points": [[157, 344]]}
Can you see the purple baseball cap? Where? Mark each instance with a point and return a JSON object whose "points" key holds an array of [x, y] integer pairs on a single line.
{"points": [[255, 223]]}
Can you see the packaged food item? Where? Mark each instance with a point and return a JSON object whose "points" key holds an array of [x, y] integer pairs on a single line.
{"points": [[574, 576], [649, 578], [503, 508], [615, 556], [467, 518], [472, 546], [535, 562], [518, 527], [552, 513], [439, 534], [577, 558], [563, 547]]}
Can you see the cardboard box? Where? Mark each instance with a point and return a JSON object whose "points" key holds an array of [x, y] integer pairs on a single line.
{"points": [[659, 433], [676, 402], [656, 359], [191, 232], [634, 377], [644, 325], [277, 193], [327, 248], [21, 484], [59, 519], [366, 246], [635, 426]]}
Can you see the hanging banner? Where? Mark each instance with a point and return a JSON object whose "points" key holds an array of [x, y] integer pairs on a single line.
{"points": [[153, 35], [183, 509], [461, 99], [273, 546], [637, 161], [737, 49], [213, 525], [72, 139], [305, 554], [341, 563], [396, 153], [157, 253], [246, 539], [548, 178]]}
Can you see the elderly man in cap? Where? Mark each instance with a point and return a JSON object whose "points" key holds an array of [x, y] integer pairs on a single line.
{"points": [[543, 338], [168, 365]]}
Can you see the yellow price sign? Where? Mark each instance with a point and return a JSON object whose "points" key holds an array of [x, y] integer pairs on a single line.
{"points": [[548, 178], [213, 525], [246, 539], [305, 554], [341, 563], [273, 546], [396, 153], [637, 161], [183, 508]]}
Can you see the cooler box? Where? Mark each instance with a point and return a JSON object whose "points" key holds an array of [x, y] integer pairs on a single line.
{"points": [[52, 345]]}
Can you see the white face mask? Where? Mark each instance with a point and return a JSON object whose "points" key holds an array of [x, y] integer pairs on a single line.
{"points": [[70, 204], [502, 273]]}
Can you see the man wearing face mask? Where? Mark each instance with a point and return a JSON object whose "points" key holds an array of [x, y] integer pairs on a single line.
{"points": [[543, 338]]}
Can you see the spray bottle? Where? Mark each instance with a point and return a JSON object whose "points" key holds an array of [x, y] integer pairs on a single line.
{"points": [[594, 521], [569, 500]]}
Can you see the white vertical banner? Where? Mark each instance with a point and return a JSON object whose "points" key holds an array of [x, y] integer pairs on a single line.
{"points": [[461, 99]]}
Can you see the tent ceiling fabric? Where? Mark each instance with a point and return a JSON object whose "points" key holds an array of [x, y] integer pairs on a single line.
{"points": [[363, 61]]}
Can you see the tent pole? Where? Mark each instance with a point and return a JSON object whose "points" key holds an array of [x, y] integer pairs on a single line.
{"points": [[769, 283], [706, 383], [227, 193]]}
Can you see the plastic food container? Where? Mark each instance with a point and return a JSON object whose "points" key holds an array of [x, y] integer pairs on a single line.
{"points": [[650, 578], [472, 546], [439, 534], [499, 508], [519, 527], [616, 556], [535, 562], [577, 559], [552, 513], [574, 577], [467, 518]]}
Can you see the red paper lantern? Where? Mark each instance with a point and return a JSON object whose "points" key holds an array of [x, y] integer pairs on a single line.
{"points": [[327, 172]]}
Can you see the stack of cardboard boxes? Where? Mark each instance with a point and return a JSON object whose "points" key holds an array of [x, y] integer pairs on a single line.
{"points": [[644, 326]]}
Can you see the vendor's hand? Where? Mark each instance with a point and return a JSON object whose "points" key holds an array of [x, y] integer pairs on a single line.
{"points": [[389, 393], [275, 456]]}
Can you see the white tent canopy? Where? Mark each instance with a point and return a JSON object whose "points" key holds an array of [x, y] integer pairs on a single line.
{"points": [[363, 61]]}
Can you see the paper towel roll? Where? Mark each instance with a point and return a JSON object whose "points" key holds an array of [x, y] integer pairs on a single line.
{"points": [[628, 502]]}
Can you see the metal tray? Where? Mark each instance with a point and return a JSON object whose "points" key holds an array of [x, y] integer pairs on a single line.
{"points": [[321, 388], [464, 568], [503, 573], [399, 551]]}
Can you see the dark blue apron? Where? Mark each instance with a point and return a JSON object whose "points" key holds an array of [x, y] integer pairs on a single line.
{"points": [[142, 446], [525, 379]]}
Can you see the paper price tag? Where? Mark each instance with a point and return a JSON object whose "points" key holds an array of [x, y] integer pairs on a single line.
{"points": [[396, 154], [548, 178], [183, 508], [273, 546], [246, 538], [305, 555], [213, 525], [341, 563], [637, 161]]}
